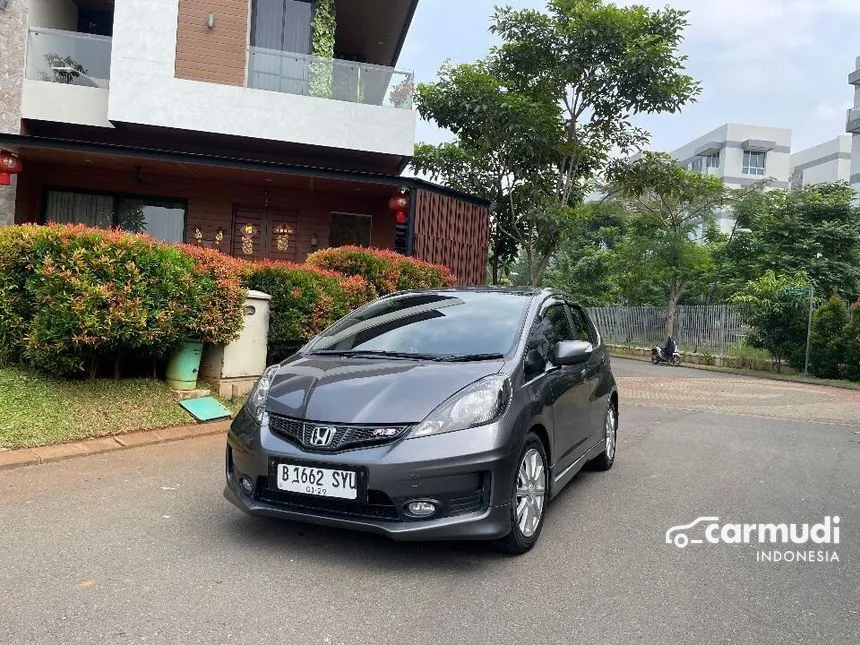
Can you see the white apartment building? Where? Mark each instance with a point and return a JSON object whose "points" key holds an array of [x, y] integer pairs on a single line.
{"points": [[826, 162], [853, 126], [740, 155]]}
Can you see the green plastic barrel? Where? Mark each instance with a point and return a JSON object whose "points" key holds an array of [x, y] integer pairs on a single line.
{"points": [[183, 366]]}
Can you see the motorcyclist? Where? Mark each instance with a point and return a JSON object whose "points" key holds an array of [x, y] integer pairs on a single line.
{"points": [[669, 349]]}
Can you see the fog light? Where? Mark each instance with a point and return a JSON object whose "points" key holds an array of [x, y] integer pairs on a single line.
{"points": [[421, 509], [247, 485]]}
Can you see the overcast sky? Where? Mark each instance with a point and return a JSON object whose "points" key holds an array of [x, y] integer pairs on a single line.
{"points": [[781, 63]]}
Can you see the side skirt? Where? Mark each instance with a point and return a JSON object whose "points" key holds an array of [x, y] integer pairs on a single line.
{"points": [[560, 480]]}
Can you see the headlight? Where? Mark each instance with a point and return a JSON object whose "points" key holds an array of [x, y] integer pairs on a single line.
{"points": [[478, 404], [256, 404]]}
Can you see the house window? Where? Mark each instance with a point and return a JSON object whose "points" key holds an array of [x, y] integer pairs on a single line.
{"points": [[348, 229], [284, 25], [696, 165], [754, 163], [163, 219], [713, 161]]}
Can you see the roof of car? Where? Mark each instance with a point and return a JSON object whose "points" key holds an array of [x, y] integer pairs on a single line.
{"points": [[522, 290]]}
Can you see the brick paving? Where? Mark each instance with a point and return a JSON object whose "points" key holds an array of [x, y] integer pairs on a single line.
{"points": [[747, 396]]}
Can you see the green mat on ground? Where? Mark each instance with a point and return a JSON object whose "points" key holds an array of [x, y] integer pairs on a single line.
{"points": [[206, 408]]}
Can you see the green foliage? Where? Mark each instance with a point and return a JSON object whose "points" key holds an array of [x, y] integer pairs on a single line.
{"points": [[538, 118], [386, 271], [305, 301], [778, 317], [64, 69], [852, 344], [788, 231], [828, 341], [708, 358], [323, 28], [73, 296]]}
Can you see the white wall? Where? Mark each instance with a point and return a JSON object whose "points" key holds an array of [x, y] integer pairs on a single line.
{"points": [[63, 103], [143, 90], [54, 14], [825, 162]]}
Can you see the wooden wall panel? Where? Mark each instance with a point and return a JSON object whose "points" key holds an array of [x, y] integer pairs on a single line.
{"points": [[452, 232], [211, 204], [215, 55]]}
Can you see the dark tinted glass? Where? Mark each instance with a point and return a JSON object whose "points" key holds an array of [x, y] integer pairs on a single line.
{"points": [[552, 327], [582, 331], [456, 323]]}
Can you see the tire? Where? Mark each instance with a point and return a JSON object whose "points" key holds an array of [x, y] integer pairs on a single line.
{"points": [[654, 358], [676, 361], [605, 460], [524, 533]]}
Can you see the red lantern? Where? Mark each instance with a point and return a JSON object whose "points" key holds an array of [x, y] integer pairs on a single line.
{"points": [[401, 217], [9, 165], [398, 203]]}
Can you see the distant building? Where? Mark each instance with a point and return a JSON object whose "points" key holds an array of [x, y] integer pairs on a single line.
{"points": [[825, 162], [853, 126], [740, 155]]}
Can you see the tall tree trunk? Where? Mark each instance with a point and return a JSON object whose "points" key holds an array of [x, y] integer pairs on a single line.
{"points": [[494, 264], [530, 263], [671, 310], [540, 269]]}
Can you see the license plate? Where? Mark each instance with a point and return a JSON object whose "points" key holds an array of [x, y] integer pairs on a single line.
{"points": [[323, 482]]}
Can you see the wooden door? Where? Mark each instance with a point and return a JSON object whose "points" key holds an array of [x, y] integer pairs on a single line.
{"points": [[259, 233]]}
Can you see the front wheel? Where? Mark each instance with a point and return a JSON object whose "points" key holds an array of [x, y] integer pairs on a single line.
{"points": [[529, 495], [655, 358], [605, 460], [676, 360]]}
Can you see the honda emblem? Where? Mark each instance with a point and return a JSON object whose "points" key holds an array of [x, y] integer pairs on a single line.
{"points": [[322, 435]]}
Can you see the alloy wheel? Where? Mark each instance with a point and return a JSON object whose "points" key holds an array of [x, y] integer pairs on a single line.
{"points": [[531, 492], [610, 429]]}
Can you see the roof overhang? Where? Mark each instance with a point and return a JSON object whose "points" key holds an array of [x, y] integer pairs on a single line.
{"points": [[373, 31], [24, 145], [758, 145], [710, 148]]}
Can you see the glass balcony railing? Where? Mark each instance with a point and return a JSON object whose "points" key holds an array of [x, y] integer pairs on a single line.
{"points": [[341, 80], [68, 57], [854, 114]]}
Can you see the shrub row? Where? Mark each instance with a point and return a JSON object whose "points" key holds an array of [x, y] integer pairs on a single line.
{"points": [[72, 296], [835, 341], [387, 271]]}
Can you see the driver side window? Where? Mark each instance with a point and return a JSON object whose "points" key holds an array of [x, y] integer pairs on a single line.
{"points": [[551, 327]]}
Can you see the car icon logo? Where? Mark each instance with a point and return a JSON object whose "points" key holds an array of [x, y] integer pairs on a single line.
{"points": [[680, 539], [322, 436]]}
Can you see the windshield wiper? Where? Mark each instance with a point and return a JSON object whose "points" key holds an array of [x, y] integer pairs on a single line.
{"points": [[466, 358], [371, 353]]}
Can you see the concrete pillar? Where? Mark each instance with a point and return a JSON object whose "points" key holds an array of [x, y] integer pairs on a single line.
{"points": [[13, 40]]}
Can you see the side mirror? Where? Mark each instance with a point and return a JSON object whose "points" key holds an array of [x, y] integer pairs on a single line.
{"points": [[572, 352]]}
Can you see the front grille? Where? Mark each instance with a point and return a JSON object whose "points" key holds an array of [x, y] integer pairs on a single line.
{"points": [[378, 505], [342, 437]]}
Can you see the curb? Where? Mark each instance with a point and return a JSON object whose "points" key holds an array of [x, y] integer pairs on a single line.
{"points": [[741, 372], [98, 445]]}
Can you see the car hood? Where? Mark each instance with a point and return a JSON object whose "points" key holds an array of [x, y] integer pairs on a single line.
{"points": [[368, 391]]}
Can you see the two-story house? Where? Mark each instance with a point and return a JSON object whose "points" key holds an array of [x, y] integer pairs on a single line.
{"points": [[266, 128]]}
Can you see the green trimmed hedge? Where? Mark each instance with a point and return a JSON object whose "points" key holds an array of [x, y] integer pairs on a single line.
{"points": [[74, 296], [387, 271]]}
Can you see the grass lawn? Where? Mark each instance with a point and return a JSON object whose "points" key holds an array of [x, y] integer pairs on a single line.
{"points": [[36, 410]]}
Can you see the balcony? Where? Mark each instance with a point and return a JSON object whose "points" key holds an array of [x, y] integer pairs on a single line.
{"points": [[68, 57], [340, 80], [67, 77], [853, 120]]}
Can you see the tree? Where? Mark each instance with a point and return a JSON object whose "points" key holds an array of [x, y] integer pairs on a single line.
{"points": [[577, 73], [667, 204], [814, 229], [828, 340], [852, 344], [775, 308]]}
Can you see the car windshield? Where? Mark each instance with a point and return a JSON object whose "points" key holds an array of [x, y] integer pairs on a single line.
{"points": [[446, 325]]}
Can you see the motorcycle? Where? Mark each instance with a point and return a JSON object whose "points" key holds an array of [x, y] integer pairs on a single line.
{"points": [[659, 356]]}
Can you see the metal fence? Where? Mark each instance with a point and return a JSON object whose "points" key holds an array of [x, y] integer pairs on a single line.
{"points": [[715, 328]]}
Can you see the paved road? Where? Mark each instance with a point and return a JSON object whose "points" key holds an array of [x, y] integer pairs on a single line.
{"points": [[138, 546]]}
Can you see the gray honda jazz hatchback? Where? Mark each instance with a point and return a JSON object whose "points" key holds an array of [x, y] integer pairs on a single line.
{"points": [[452, 414]]}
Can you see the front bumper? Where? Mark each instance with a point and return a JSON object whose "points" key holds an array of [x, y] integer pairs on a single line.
{"points": [[467, 474]]}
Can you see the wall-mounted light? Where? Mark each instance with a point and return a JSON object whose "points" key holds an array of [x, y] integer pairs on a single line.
{"points": [[210, 19]]}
